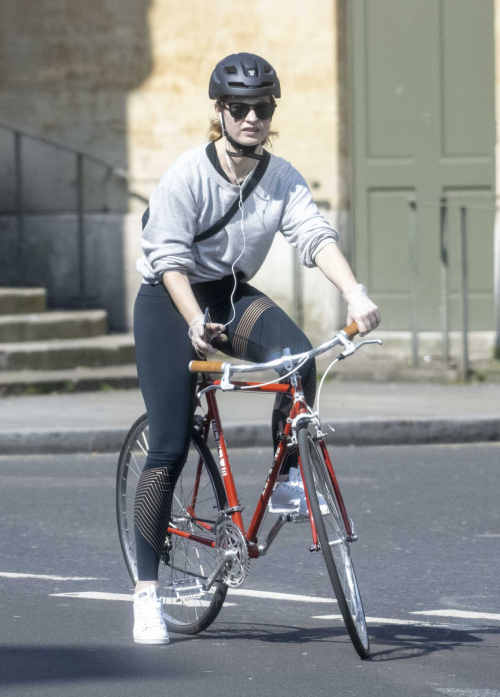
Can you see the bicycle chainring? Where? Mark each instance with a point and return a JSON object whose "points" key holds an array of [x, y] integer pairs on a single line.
{"points": [[229, 536]]}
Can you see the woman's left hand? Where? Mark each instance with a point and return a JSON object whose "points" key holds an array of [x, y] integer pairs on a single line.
{"points": [[361, 309], [202, 334]]}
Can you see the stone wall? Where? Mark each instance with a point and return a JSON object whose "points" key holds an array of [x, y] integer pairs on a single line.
{"points": [[126, 81], [66, 70], [497, 216], [170, 111]]}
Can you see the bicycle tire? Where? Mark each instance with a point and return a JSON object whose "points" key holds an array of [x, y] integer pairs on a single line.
{"points": [[189, 616], [336, 551]]}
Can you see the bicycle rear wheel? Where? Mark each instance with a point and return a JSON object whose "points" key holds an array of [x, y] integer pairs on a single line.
{"points": [[182, 559], [333, 540]]}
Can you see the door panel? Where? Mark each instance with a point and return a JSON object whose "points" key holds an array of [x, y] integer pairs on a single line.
{"points": [[423, 113], [467, 77]]}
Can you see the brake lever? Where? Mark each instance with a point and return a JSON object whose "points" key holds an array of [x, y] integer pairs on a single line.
{"points": [[351, 348]]}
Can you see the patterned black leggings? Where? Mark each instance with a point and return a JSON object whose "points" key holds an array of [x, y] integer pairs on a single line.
{"points": [[259, 333]]}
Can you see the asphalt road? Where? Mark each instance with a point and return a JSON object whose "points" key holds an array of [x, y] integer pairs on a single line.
{"points": [[428, 520]]}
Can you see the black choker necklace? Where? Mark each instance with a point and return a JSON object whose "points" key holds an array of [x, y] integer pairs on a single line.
{"points": [[241, 150]]}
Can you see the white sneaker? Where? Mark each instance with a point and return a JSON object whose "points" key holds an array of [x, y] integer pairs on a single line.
{"points": [[290, 496], [286, 496], [149, 625]]}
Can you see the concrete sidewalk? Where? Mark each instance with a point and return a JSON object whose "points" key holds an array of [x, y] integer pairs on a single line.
{"points": [[361, 413]]}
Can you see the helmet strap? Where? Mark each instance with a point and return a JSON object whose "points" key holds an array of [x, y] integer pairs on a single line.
{"points": [[241, 150]]}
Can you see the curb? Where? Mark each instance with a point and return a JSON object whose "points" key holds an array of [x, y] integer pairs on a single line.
{"points": [[347, 432]]}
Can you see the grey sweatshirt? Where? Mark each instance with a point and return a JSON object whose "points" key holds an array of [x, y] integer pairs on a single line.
{"points": [[192, 196]]}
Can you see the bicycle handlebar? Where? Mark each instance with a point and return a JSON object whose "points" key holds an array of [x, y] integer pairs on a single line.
{"points": [[206, 367], [218, 367]]}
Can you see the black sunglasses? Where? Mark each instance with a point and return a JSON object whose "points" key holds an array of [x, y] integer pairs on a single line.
{"points": [[240, 110]]}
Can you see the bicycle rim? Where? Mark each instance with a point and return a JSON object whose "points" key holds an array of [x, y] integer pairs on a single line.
{"points": [[182, 559], [333, 541]]}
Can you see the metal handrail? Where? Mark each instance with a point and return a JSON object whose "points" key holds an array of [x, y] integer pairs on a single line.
{"points": [[118, 171], [80, 157]]}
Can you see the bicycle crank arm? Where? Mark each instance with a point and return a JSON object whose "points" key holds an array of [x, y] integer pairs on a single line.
{"points": [[228, 555], [273, 533]]}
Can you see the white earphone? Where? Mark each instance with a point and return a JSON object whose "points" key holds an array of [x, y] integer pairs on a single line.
{"points": [[242, 209]]}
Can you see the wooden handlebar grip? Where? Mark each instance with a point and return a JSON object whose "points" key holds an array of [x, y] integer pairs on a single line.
{"points": [[206, 367], [351, 330]]}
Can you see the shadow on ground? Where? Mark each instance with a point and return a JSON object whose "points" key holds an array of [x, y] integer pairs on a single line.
{"points": [[399, 641], [34, 664]]}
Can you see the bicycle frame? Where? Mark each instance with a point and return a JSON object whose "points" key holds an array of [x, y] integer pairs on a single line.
{"points": [[212, 419]]}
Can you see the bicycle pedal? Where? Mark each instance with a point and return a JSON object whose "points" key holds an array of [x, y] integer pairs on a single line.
{"points": [[299, 518], [187, 589], [290, 510]]}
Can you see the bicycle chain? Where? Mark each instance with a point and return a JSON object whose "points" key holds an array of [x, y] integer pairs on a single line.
{"points": [[185, 571]]}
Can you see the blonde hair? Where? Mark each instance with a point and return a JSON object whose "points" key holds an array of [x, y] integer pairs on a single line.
{"points": [[215, 131]]}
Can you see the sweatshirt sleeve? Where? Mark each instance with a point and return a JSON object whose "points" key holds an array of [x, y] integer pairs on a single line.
{"points": [[301, 223], [171, 228]]}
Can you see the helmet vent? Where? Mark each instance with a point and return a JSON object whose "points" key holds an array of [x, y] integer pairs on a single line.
{"points": [[241, 85], [231, 70], [267, 69]]}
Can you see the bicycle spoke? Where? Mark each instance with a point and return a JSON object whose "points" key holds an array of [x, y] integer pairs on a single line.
{"points": [[138, 472]]}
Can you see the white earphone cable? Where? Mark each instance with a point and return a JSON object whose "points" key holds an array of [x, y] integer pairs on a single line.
{"points": [[242, 209]]}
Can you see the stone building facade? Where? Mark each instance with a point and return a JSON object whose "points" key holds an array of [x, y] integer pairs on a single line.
{"points": [[126, 82]]}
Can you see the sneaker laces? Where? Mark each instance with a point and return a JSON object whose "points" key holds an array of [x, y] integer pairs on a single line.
{"points": [[151, 612]]}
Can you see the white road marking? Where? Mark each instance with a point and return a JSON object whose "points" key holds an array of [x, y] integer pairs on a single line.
{"points": [[271, 595], [91, 595], [467, 693], [378, 620], [127, 597], [460, 613], [8, 574]]}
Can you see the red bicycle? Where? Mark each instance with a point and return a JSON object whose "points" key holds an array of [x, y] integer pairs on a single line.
{"points": [[207, 549]]}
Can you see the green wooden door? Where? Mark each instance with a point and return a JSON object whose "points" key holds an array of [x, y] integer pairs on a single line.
{"points": [[424, 127]]}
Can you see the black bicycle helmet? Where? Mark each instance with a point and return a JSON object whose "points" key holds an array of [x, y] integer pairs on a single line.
{"points": [[244, 75]]}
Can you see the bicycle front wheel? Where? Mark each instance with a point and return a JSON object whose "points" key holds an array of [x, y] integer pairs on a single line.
{"points": [[333, 540], [198, 497]]}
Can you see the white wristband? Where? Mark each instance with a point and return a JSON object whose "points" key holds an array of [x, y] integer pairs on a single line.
{"points": [[353, 292], [195, 325]]}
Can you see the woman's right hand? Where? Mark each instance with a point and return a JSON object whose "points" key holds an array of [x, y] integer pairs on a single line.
{"points": [[361, 310], [199, 332]]}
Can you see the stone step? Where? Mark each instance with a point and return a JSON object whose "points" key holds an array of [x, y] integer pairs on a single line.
{"points": [[24, 382], [62, 354], [43, 326], [22, 300]]}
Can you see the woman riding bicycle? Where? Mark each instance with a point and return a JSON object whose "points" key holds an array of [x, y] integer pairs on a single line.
{"points": [[197, 254]]}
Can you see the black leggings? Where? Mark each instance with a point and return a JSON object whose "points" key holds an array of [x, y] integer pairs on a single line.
{"points": [[260, 332]]}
